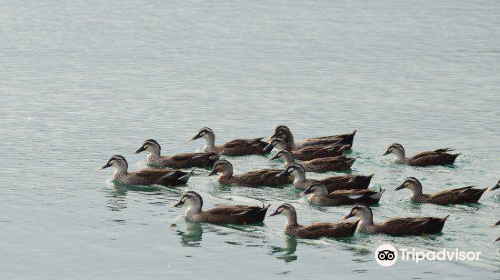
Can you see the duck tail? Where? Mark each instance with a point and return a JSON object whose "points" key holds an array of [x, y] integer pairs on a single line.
{"points": [[186, 177]]}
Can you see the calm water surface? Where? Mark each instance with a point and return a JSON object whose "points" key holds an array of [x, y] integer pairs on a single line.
{"points": [[83, 80]]}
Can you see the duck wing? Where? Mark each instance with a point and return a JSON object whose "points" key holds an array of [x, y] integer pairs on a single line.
{"points": [[455, 196], [354, 196], [187, 160], [412, 226], [337, 230], [244, 142], [433, 158], [239, 214], [261, 177], [438, 151]]}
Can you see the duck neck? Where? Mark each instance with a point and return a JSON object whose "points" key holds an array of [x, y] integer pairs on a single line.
{"points": [[366, 221], [193, 209], [291, 220], [299, 176], [416, 194], [120, 171], [400, 155], [227, 173], [209, 141], [154, 153]]}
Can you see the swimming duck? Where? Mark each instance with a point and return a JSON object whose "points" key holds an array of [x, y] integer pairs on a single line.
{"points": [[185, 160], [262, 177], [285, 133], [238, 147], [148, 176], [230, 214], [396, 226], [453, 196], [314, 231], [429, 158], [334, 183], [319, 195], [309, 152], [319, 165]]}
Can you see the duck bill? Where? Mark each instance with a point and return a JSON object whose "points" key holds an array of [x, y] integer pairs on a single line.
{"points": [[496, 187], [213, 172], [306, 192], [400, 187], [276, 156], [268, 148], [105, 166], [386, 153], [274, 213], [140, 150], [347, 216], [283, 174], [197, 136], [179, 203], [273, 136]]}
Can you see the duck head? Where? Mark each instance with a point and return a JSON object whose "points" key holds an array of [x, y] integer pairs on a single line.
{"points": [[288, 211], [192, 199], [285, 155], [279, 143], [413, 184], [316, 188], [361, 211], [118, 162], [283, 132], [150, 146], [397, 150], [222, 166], [297, 170], [206, 133]]}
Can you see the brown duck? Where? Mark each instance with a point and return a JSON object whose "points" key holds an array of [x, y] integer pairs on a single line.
{"points": [[318, 195], [429, 158], [396, 226], [334, 183], [309, 152], [178, 161], [319, 165], [147, 176], [314, 231], [262, 177], [453, 196], [234, 214], [285, 133], [238, 147]]}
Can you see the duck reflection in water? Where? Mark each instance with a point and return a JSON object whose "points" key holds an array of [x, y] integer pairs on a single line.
{"points": [[288, 251], [192, 235]]}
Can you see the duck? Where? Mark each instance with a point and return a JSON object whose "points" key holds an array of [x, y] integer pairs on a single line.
{"points": [[319, 195], [309, 152], [256, 178], [228, 214], [428, 158], [283, 132], [313, 231], [463, 195], [178, 161], [238, 147], [396, 226], [334, 183], [147, 176], [319, 165]]}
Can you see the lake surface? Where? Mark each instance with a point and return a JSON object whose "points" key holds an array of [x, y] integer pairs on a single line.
{"points": [[83, 80]]}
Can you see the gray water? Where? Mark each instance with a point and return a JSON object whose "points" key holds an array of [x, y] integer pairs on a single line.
{"points": [[83, 80]]}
